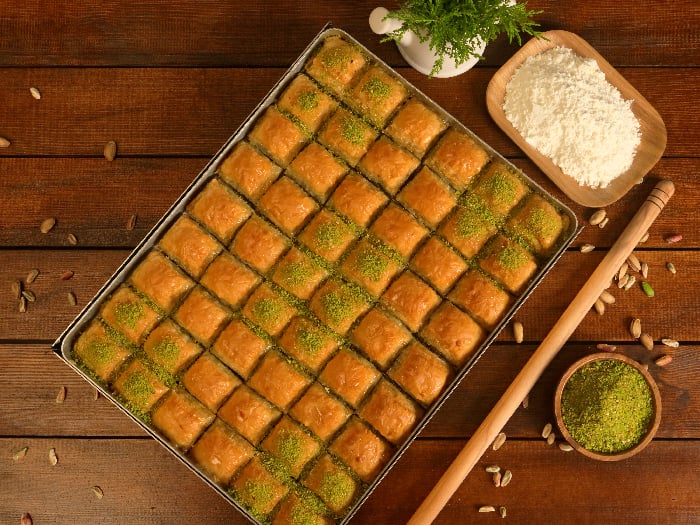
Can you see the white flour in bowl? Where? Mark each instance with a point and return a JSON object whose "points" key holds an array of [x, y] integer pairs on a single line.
{"points": [[563, 106]]}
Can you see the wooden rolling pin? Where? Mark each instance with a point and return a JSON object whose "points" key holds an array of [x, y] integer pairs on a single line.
{"points": [[599, 280]]}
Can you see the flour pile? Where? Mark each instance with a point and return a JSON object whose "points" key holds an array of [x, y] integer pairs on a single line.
{"points": [[563, 106]]}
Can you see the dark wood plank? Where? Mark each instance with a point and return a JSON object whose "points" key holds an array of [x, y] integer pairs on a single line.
{"points": [[32, 377], [210, 33], [94, 199], [186, 112], [672, 313], [143, 484]]}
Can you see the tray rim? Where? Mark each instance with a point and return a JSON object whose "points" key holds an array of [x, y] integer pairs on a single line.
{"points": [[62, 345], [653, 135]]}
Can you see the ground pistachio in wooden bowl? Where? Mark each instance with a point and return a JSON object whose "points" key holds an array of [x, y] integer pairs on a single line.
{"points": [[607, 406]]}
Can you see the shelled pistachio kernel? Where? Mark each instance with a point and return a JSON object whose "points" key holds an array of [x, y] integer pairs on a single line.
{"points": [[586, 248], [518, 332], [32, 275], [16, 289], [496, 477], [547, 430], [671, 267], [503, 512], [599, 306], [630, 282], [634, 262], [492, 468], [35, 92], [667, 341], [487, 508], [607, 297], [110, 150], [565, 447], [647, 341], [663, 360], [636, 328], [61, 396], [507, 477], [53, 458], [597, 217], [47, 225], [551, 438], [498, 442], [647, 289], [19, 454]]}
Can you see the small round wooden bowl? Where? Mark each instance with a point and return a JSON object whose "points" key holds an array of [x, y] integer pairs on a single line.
{"points": [[656, 398]]}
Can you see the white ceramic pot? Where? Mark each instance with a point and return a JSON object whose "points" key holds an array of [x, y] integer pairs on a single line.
{"points": [[418, 54]]}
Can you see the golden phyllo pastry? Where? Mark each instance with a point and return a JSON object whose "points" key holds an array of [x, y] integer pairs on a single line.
{"points": [[299, 274], [336, 64], [410, 299], [467, 231], [317, 170], [347, 135], [259, 244], [482, 297], [181, 418], [169, 347], [100, 351], [257, 488], [140, 386], [509, 262], [337, 305], [160, 280], [201, 315], [307, 342], [327, 235], [250, 414], [499, 189], [421, 373], [332, 483], [291, 446], [278, 380], [398, 229], [349, 376], [390, 412], [248, 171], [379, 336], [190, 246], [415, 127], [268, 310], [209, 381], [429, 196], [453, 333], [538, 223], [239, 347], [219, 209], [229, 279], [320, 411], [370, 267], [306, 102], [221, 452], [298, 510], [361, 450], [388, 165], [357, 199], [287, 205], [278, 136], [458, 158], [377, 94], [438, 264], [129, 314]]}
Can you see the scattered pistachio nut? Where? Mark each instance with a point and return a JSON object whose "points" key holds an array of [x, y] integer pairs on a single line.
{"points": [[29, 295], [61, 397], [493, 468], [22, 304], [645, 270], [498, 442], [502, 511], [53, 458], [636, 328], [603, 223], [487, 508], [26, 519], [663, 360], [518, 332], [673, 238], [597, 217], [47, 225], [647, 288], [32, 275], [131, 223], [565, 447], [4, 143], [605, 347], [634, 263], [19, 454], [647, 341], [671, 267], [622, 271], [630, 282], [551, 438], [496, 477], [72, 299], [97, 491], [644, 238], [586, 248], [110, 150], [607, 297], [67, 275], [16, 288], [670, 342], [547, 430], [505, 479], [35, 92], [72, 239], [599, 306], [621, 283]]}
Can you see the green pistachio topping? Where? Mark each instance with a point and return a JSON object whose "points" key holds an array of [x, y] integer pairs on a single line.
{"points": [[129, 314], [296, 273], [309, 339], [371, 265], [289, 446], [307, 100], [167, 350], [352, 130], [335, 58], [258, 494], [329, 235], [268, 310], [101, 351], [376, 88], [501, 187], [138, 387], [511, 258], [338, 305], [337, 488], [468, 226], [541, 223]]}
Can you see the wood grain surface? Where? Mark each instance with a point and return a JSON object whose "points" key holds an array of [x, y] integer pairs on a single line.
{"points": [[170, 82]]}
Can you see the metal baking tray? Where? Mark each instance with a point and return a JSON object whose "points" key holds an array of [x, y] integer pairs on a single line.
{"points": [[63, 345]]}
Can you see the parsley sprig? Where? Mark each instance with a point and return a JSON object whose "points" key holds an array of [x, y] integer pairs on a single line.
{"points": [[456, 28]]}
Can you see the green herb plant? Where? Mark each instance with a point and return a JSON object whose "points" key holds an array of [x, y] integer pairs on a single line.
{"points": [[457, 28]]}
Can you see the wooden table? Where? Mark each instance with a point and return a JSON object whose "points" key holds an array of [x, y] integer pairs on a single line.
{"points": [[170, 82]]}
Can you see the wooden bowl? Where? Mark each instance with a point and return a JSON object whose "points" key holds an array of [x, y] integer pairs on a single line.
{"points": [[652, 129], [656, 400]]}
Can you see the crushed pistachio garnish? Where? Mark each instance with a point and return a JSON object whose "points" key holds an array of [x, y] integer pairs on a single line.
{"points": [[307, 100], [371, 265], [129, 314], [289, 446], [607, 406], [167, 350], [511, 258], [467, 226], [296, 273], [268, 310], [479, 208], [336, 488], [352, 130], [335, 58], [376, 88], [329, 235], [501, 188], [258, 494], [137, 387], [541, 223], [309, 339], [304, 516], [101, 351]]}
